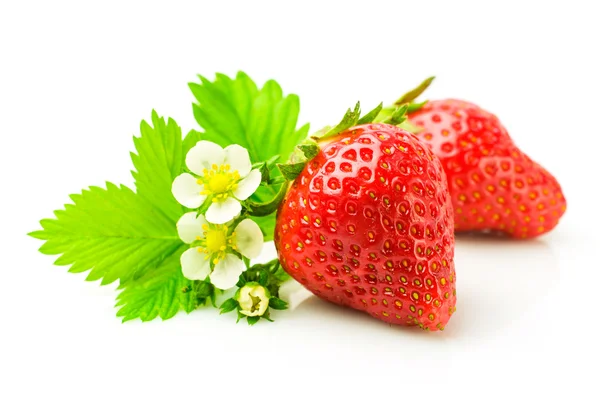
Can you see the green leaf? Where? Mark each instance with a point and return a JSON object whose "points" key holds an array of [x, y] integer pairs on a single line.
{"points": [[263, 120], [117, 234], [228, 305], [157, 162], [160, 293], [277, 304], [189, 141], [252, 320], [236, 111], [267, 225], [112, 232]]}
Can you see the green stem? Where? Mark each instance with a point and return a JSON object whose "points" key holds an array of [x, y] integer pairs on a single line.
{"points": [[264, 209]]}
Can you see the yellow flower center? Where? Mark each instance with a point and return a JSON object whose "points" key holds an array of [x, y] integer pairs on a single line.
{"points": [[216, 241], [219, 182]]}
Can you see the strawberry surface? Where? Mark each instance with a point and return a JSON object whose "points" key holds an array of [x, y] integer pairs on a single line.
{"points": [[494, 186], [368, 224]]}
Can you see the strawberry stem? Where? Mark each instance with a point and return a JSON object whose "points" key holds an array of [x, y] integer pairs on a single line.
{"points": [[266, 208]]}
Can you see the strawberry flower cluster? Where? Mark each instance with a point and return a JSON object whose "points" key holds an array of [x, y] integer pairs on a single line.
{"points": [[220, 180], [221, 240]]}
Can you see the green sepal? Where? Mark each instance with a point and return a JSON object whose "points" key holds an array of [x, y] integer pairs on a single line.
{"points": [[415, 106], [228, 305], [399, 115], [413, 94], [277, 304], [252, 320], [205, 291], [310, 150], [291, 171], [369, 117], [267, 316], [263, 277], [266, 208], [350, 119], [281, 275], [241, 282], [257, 273]]}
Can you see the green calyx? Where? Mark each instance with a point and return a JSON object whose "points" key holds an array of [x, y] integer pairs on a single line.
{"points": [[395, 114], [309, 149], [269, 276], [352, 118], [407, 100]]}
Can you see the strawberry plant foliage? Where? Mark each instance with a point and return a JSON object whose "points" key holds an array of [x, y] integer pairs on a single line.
{"points": [[162, 292], [117, 234], [112, 233], [158, 160], [263, 120]]}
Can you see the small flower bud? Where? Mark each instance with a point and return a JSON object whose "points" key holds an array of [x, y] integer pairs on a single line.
{"points": [[253, 299]]}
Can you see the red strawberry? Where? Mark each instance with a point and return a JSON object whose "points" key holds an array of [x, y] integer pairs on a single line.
{"points": [[494, 186], [368, 224]]}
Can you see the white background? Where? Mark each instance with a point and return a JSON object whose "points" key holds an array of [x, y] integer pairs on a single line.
{"points": [[76, 79]]}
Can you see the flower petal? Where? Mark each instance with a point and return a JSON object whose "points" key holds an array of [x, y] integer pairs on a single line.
{"points": [[194, 264], [203, 156], [186, 191], [189, 227], [244, 299], [249, 238], [221, 212], [227, 272], [248, 185], [239, 159]]}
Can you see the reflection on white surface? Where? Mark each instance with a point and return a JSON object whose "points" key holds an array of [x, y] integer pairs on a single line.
{"points": [[499, 282], [294, 294]]}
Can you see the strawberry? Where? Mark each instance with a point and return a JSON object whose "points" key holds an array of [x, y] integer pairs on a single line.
{"points": [[493, 184], [368, 224]]}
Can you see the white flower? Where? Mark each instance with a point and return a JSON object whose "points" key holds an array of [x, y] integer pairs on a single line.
{"points": [[253, 299], [212, 249], [224, 176]]}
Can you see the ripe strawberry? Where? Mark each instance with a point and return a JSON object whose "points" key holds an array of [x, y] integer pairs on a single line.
{"points": [[494, 186], [368, 224]]}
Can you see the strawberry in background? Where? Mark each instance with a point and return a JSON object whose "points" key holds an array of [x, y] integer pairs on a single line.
{"points": [[494, 185]]}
